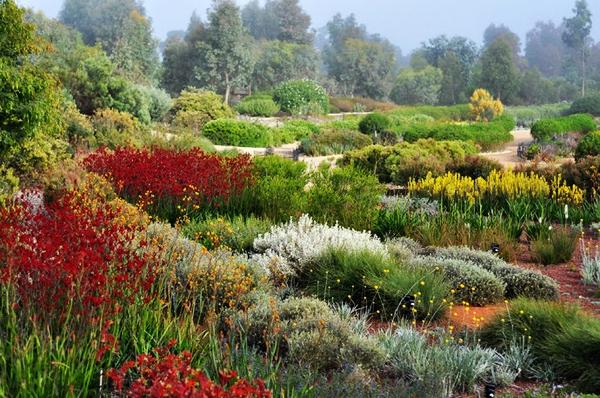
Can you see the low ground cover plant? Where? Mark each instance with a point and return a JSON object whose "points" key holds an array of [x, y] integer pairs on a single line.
{"points": [[258, 105], [331, 142], [241, 133]]}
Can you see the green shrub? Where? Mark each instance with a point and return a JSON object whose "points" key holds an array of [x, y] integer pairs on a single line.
{"points": [[561, 336], [194, 108], [9, 184], [113, 129], [238, 133], [403, 161], [588, 146], [557, 248], [334, 142], [519, 282], [299, 129], [471, 283], [585, 173], [359, 104], [301, 97], [374, 124], [264, 107], [346, 195], [474, 166], [545, 129], [347, 123], [486, 134], [589, 104], [372, 281], [158, 102]]}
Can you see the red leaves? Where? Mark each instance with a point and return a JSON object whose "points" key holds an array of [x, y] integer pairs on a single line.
{"points": [[189, 179], [166, 375], [70, 256]]}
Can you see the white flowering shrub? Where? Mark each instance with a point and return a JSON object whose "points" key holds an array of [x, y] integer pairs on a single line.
{"points": [[299, 242]]}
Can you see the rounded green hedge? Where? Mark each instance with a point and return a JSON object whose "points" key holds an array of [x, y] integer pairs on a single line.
{"points": [[589, 104], [375, 123], [263, 107], [545, 129], [588, 146], [238, 133], [301, 97]]}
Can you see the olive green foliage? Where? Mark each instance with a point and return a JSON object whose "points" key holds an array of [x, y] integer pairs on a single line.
{"points": [[332, 142], [403, 161], [454, 112], [417, 86], [373, 281], [555, 247], [486, 134], [30, 126], [588, 146], [358, 104], [258, 106], [115, 129], [194, 108], [589, 104], [346, 195], [475, 166], [545, 129], [374, 124], [9, 183], [301, 97], [241, 133], [563, 338]]}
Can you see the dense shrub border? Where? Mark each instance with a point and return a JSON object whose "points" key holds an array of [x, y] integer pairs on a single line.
{"points": [[334, 142], [545, 129]]}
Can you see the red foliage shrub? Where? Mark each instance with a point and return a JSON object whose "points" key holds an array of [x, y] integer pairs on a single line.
{"points": [[71, 255], [166, 375], [168, 183]]}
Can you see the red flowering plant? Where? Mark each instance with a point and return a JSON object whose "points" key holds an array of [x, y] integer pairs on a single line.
{"points": [[167, 375], [170, 183], [72, 257]]}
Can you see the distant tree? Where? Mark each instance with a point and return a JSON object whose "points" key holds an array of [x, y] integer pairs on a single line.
{"points": [[494, 32], [282, 20], [29, 97], [418, 61], [535, 89], [123, 30], [182, 55], [227, 52], [417, 86], [576, 35], [544, 48], [499, 73], [455, 57], [279, 61], [360, 63]]}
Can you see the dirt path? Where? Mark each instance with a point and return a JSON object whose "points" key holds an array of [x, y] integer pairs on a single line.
{"points": [[508, 156]]}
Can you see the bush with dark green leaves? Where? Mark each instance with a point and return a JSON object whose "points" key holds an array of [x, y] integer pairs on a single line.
{"points": [[194, 108], [588, 146], [545, 129], [561, 336], [374, 124], [239, 133], [589, 104], [406, 160], [301, 97], [334, 142], [263, 106]]}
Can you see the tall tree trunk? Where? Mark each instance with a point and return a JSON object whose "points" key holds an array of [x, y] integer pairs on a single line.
{"points": [[227, 88], [583, 71]]}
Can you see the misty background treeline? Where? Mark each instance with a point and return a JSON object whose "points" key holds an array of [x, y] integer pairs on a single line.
{"points": [[105, 55]]}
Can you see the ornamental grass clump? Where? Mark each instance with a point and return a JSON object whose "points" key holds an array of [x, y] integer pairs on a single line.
{"points": [[558, 247], [590, 259], [373, 281], [561, 336]]}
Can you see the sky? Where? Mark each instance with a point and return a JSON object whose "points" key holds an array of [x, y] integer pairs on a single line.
{"points": [[406, 23]]}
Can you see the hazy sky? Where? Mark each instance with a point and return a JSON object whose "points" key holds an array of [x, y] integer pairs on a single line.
{"points": [[406, 23]]}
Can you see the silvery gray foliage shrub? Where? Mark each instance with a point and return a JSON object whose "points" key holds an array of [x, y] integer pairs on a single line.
{"points": [[294, 244], [519, 282], [439, 370], [426, 206], [470, 282], [403, 249]]}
